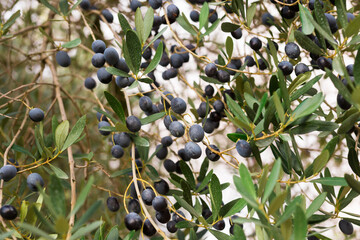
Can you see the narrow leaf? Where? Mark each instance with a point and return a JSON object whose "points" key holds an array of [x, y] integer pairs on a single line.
{"points": [[155, 61], [61, 133], [315, 205], [75, 132], [307, 27], [331, 181], [125, 26], [116, 106], [82, 196], [215, 195], [204, 14], [271, 182], [300, 224], [148, 23]]}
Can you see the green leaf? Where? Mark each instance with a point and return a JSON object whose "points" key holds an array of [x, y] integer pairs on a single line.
{"points": [[289, 210], [315, 205], [277, 202], [51, 7], [247, 181], [319, 28], [321, 160], [58, 172], [236, 136], [64, 7], [74, 43], [250, 13], [185, 224], [152, 118], [57, 195], [348, 123], [307, 26], [298, 93], [331, 181], [339, 85], [229, 44], [219, 235], [114, 232], [54, 124], [187, 172], [298, 81], [354, 161], [315, 125], [7, 234], [210, 80], [263, 143], [87, 215], [121, 172], [300, 224], [34, 230], [307, 107], [320, 17], [61, 133], [236, 110], [87, 229], [75, 132], [232, 207], [156, 59], [46, 35], [130, 235], [279, 107], [355, 185], [229, 27], [117, 72], [116, 106], [105, 114], [353, 27], [273, 51], [190, 209], [307, 43], [338, 65], [185, 24], [132, 51], [204, 182], [341, 13], [211, 28], [186, 191], [203, 169], [18, 148], [139, 25], [154, 174], [148, 23], [215, 195], [10, 22], [83, 195], [272, 180], [284, 92], [239, 233], [204, 14], [357, 68], [146, 80], [125, 26], [140, 141], [23, 210], [108, 129], [157, 36], [75, 5]]}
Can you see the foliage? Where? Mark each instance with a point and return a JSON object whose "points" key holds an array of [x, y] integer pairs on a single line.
{"points": [[256, 117]]}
